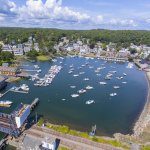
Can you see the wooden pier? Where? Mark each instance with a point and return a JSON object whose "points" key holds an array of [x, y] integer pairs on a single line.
{"points": [[113, 59], [34, 103], [2, 94], [17, 91]]}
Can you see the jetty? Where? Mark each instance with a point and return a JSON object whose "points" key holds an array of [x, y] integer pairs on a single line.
{"points": [[17, 91], [2, 94], [113, 59], [34, 103]]}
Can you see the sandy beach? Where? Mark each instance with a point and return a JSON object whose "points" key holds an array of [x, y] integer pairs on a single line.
{"points": [[144, 118]]}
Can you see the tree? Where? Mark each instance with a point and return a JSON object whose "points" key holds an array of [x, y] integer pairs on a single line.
{"points": [[32, 54], [6, 56], [104, 46], [132, 50], [0, 48]]}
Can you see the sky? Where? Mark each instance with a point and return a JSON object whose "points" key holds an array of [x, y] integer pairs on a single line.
{"points": [[76, 14]]}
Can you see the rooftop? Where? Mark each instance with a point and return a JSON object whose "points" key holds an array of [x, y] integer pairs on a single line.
{"points": [[11, 69], [20, 110]]}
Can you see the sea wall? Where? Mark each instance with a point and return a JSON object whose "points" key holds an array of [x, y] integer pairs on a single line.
{"points": [[144, 118]]}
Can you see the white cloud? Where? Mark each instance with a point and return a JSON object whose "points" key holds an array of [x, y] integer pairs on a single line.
{"points": [[7, 6], [123, 22], [148, 20], [53, 14]]}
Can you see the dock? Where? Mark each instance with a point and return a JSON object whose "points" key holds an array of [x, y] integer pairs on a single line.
{"points": [[34, 103], [17, 91], [2, 94], [11, 90], [26, 70], [113, 59]]}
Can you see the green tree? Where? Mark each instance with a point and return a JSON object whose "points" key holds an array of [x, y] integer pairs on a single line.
{"points": [[6, 56]]}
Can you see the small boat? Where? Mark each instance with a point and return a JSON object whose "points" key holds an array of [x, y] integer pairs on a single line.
{"points": [[36, 66], [24, 87], [75, 95], [75, 75], [81, 91], [93, 132], [63, 99], [124, 82], [103, 83], [89, 87], [124, 74], [81, 72], [86, 79], [39, 70], [130, 65], [72, 86], [108, 78], [89, 102], [113, 94], [119, 78], [5, 103], [116, 87], [70, 72]]}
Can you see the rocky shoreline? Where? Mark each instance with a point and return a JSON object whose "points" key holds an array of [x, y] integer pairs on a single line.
{"points": [[144, 118]]}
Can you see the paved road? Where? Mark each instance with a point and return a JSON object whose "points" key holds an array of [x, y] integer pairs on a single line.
{"points": [[73, 142]]}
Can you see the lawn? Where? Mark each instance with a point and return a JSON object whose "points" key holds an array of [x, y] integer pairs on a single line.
{"points": [[43, 58]]}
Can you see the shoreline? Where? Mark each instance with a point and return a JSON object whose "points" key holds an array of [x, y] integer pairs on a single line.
{"points": [[144, 117]]}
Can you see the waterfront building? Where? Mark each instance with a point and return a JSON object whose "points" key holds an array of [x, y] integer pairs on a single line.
{"points": [[22, 114], [9, 71], [48, 145]]}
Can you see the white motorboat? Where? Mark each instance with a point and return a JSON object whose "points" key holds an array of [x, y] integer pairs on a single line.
{"points": [[89, 102], [116, 87], [86, 79], [130, 65], [24, 87], [81, 91], [119, 78], [75, 95], [124, 82], [5, 103], [75, 75], [89, 87], [63, 99], [124, 74], [72, 86], [103, 83], [113, 94]]}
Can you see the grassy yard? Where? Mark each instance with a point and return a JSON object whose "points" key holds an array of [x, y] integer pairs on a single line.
{"points": [[67, 130], [43, 58], [62, 148], [145, 148]]}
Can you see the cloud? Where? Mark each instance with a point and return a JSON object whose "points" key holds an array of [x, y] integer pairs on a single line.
{"points": [[51, 13], [148, 20], [123, 22], [7, 7]]}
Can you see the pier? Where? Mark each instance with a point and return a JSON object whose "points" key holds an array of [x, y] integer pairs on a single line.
{"points": [[113, 59], [26, 70], [34, 103], [11, 90], [2, 94], [17, 91]]}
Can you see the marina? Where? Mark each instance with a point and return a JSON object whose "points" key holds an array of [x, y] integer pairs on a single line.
{"points": [[64, 99]]}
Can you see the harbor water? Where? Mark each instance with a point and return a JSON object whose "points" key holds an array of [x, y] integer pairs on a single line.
{"points": [[111, 114]]}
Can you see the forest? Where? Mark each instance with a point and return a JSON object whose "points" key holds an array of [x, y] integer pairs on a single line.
{"points": [[48, 37]]}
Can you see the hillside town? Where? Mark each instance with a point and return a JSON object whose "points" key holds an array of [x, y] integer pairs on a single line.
{"points": [[66, 45]]}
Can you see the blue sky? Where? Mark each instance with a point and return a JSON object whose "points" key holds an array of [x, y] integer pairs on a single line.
{"points": [[76, 14]]}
